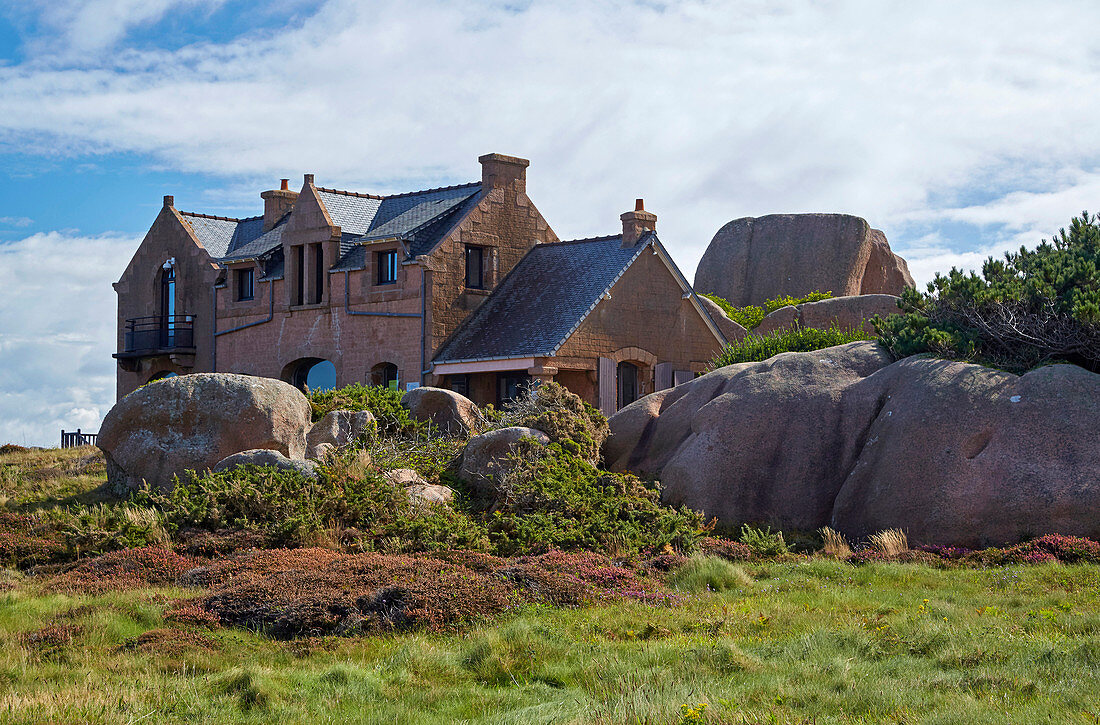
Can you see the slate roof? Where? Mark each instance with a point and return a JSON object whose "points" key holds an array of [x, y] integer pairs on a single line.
{"points": [[220, 235], [543, 300], [420, 218]]}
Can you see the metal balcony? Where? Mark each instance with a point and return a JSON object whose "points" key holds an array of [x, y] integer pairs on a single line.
{"points": [[158, 335]]}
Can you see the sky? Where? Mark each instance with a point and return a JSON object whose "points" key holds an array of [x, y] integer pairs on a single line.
{"points": [[960, 129]]}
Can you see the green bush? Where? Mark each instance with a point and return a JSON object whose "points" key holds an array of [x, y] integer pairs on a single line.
{"points": [[709, 574], [556, 500], [751, 316], [754, 348], [384, 403], [763, 542], [1030, 309], [578, 427]]}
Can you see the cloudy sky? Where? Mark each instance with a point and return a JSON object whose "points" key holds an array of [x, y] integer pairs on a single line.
{"points": [[960, 129]]}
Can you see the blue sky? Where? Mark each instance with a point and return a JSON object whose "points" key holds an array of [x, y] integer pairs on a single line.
{"points": [[960, 129]]}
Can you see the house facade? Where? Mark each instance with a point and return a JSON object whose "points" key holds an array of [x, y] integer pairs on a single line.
{"points": [[465, 287]]}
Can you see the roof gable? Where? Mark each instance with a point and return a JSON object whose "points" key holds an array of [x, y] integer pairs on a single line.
{"points": [[543, 300]]}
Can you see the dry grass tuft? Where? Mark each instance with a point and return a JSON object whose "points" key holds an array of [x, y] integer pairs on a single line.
{"points": [[835, 543], [890, 542]]}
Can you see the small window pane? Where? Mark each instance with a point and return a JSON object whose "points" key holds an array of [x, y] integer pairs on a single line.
{"points": [[387, 266], [475, 273], [246, 284]]}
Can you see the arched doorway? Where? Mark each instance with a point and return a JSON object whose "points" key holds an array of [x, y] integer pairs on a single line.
{"points": [[628, 380], [310, 373], [385, 375]]}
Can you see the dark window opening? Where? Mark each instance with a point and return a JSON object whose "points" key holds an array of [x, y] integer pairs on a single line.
{"points": [[460, 384], [246, 284], [318, 274], [300, 274], [385, 375], [387, 266], [168, 305], [475, 267], [628, 383], [510, 386]]}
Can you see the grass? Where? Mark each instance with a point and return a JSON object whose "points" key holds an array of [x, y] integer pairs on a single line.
{"points": [[39, 478], [807, 641]]}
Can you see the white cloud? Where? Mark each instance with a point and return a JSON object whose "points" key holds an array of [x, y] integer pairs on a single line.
{"points": [[80, 27], [57, 333], [15, 221]]}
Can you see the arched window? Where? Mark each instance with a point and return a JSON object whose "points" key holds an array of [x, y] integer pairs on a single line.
{"points": [[627, 375], [385, 375], [311, 373], [168, 303]]}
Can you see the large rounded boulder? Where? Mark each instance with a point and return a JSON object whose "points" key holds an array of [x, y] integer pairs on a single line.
{"points": [[194, 421], [452, 413], [752, 260], [488, 457], [965, 455]]}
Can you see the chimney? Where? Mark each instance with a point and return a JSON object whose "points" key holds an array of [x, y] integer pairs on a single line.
{"points": [[636, 223], [499, 171], [277, 202], [170, 201]]}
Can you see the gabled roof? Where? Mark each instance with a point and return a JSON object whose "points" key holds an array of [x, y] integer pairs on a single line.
{"points": [[221, 235], [543, 300], [419, 218]]}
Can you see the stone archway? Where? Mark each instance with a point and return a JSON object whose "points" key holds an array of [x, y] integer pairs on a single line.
{"points": [[310, 373]]}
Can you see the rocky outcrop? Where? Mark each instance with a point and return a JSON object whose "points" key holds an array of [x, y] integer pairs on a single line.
{"points": [[195, 421], [847, 312], [487, 457], [731, 330], [420, 492], [453, 413], [337, 429], [950, 452], [265, 457], [752, 260]]}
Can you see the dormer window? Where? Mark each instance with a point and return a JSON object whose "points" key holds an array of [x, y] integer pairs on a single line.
{"points": [[475, 267], [246, 284], [386, 262]]}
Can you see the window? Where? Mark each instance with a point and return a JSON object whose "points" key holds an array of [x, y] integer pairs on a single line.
{"points": [[387, 266], [246, 284], [475, 267], [460, 384], [318, 274], [168, 304], [384, 375], [300, 275], [510, 386]]}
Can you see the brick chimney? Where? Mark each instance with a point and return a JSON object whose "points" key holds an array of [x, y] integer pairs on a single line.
{"points": [[636, 223], [170, 201], [499, 171], [277, 202]]}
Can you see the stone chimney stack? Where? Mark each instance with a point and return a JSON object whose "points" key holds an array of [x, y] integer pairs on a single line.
{"points": [[170, 201], [499, 172], [277, 202], [636, 223]]}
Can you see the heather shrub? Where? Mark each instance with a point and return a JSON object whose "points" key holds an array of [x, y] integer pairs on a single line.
{"points": [[735, 551], [578, 427], [554, 500], [383, 403], [1029, 309], [754, 348], [751, 316]]}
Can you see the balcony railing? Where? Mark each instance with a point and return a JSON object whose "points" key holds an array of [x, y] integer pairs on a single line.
{"points": [[159, 333]]}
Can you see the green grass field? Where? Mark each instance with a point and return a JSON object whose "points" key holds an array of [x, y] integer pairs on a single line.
{"points": [[805, 640]]}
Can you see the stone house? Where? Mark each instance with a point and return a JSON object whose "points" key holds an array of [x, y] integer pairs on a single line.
{"points": [[465, 287]]}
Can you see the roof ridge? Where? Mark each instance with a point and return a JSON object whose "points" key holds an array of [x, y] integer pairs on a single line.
{"points": [[222, 218], [428, 191], [360, 194], [579, 241]]}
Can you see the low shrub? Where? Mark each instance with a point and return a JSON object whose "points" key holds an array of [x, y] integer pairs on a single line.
{"points": [[578, 427], [309, 592], [12, 448], [554, 500], [1047, 548], [129, 568], [751, 316], [763, 542], [27, 540], [755, 348], [734, 551], [383, 403]]}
